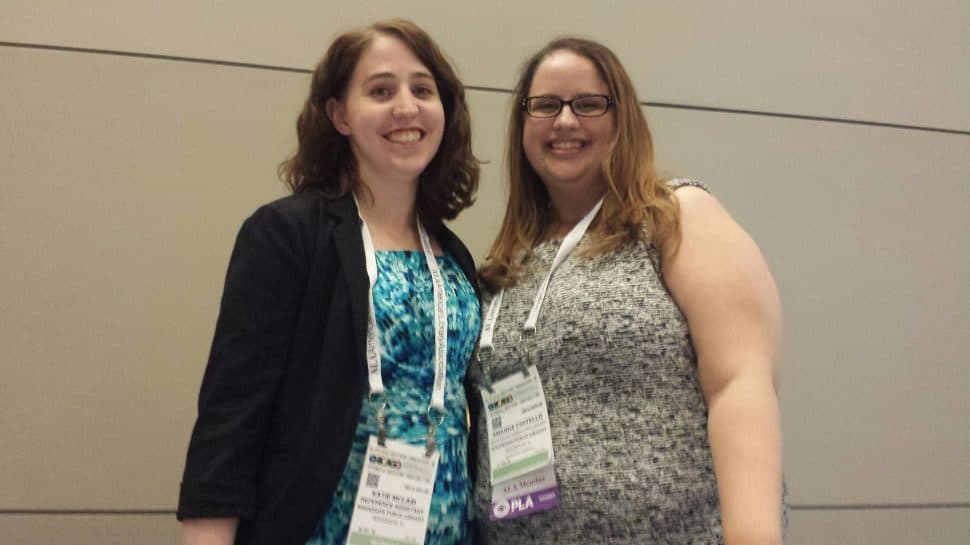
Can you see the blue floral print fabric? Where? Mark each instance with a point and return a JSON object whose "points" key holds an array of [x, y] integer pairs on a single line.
{"points": [[404, 307]]}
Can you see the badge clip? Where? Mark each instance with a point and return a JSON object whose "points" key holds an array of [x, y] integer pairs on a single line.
{"points": [[528, 332], [381, 420], [432, 443], [486, 371]]}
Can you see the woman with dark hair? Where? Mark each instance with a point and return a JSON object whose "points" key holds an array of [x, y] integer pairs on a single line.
{"points": [[644, 358], [348, 318]]}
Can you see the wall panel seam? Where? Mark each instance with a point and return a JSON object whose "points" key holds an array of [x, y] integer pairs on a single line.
{"points": [[669, 105], [97, 512], [794, 507], [879, 506]]}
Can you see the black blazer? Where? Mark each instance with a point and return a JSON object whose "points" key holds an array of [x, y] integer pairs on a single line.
{"points": [[282, 391]]}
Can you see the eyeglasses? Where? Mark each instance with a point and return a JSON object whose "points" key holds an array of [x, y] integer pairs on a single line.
{"points": [[584, 106]]}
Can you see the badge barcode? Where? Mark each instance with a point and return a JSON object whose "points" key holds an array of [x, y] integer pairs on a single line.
{"points": [[372, 479], [496, 422]]}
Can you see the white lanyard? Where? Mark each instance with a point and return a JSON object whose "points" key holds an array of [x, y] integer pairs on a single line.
{"points": [[567, 246], [440, 320]]}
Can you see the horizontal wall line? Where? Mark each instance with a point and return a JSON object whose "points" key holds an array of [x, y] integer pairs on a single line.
{"points": [[794, 507], [806, 117], [154, 56], [491, 89], [165, 512], [766, 114], [878, 506]]}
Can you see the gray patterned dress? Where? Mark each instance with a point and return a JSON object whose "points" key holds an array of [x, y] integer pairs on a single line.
{"points": [[629, 421]]}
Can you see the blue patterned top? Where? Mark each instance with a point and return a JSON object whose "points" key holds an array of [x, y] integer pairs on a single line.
{"points": [[404, 305]]}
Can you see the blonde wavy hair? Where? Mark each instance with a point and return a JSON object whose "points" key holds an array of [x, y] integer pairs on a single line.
{"points": [[638, 205]]}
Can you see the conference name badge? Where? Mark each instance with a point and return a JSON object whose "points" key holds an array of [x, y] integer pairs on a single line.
{"points": [[521, 460], [394, 495]]}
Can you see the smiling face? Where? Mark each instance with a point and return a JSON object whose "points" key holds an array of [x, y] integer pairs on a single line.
{"points": [[391, 112], [567, 151]]}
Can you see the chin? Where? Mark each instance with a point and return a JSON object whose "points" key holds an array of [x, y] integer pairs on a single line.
{"points": [[410, 169], [570, 178]]}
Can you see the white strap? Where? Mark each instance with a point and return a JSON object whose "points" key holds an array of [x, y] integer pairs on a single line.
{"points": [[440, 323], [488, 328], [373, 345], [374, 378], [568, 245]]}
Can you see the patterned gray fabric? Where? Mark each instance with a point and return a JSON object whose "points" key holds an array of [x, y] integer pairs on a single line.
{"points": [[629, 421]]}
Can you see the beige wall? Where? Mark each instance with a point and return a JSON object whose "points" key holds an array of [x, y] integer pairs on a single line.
{"points": [[123, 180]]}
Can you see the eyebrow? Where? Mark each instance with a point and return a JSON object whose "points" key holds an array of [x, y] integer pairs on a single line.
{"points": [[383, 75]]}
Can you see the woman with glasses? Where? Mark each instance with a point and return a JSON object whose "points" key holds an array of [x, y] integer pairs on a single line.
{"points": [[626, 362], [348, 318]]}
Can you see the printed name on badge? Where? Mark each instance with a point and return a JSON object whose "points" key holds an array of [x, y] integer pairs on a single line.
{"points": [[520, 447], [520, 440], [394, 495]]}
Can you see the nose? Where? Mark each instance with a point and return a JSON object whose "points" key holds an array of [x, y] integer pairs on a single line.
{"points": [[565, 117], [405, 104]]}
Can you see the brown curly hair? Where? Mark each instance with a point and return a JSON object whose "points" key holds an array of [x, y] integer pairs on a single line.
{"points": [[638, 205], [323, 161]]}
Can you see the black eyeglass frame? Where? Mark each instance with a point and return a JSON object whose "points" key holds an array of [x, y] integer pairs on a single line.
{"points": [[562, 103]]}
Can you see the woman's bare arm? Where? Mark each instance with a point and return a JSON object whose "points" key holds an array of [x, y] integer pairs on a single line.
{"points": [[720, 280]]}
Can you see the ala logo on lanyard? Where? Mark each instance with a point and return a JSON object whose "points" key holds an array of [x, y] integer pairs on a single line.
{"points": [[521, 460]]}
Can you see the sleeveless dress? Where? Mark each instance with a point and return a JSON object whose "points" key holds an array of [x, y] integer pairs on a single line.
{"points": [[628, 418], [404, 308]]}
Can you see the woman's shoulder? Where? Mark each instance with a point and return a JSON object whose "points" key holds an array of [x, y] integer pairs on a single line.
{"points": [[300, 211], [711, 239], [691, 195], [451, 242], [294, 223], [293, 207]]}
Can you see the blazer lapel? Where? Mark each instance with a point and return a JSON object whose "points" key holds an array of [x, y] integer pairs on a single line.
{"points": [[350, 251]]}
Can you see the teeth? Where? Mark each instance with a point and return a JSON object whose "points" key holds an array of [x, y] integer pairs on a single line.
{"points": [[569, 145], [405, 136]]}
